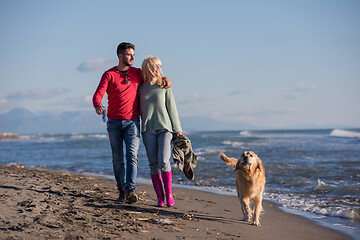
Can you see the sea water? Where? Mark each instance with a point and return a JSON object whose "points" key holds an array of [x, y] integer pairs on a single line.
{"points": [[314, 173]]}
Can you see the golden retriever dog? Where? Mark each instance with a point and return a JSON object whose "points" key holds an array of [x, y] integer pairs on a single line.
{"points": [[250, 183]]}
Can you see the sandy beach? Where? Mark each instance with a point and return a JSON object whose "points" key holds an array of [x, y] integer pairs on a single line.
{"points": [[43, 204]]}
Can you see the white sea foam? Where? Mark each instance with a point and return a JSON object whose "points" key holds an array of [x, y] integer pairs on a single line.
{"points": [[41, 138], [210, 150], [13, 164], [217, 190], [78, 137], [344, 133], [24, 137], [233, 144], [312, 204], [99, 136], [322, 184], [82, 136], [245, 133]]}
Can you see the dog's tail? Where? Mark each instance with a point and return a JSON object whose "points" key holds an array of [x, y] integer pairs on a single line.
{"points": [[229, 161]]}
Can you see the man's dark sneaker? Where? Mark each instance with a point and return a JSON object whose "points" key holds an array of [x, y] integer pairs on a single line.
{"points": [[122, 195], [131, 196]]}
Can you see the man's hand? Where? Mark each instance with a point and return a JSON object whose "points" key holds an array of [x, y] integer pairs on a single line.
{"points": [[99, 110], [166, 82]]}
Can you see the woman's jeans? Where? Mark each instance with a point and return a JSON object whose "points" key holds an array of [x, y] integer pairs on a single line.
{"points": [[158, 150], [128, 132]]}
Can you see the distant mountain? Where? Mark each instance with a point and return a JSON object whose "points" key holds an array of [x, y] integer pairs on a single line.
{"points": [[15, 119], [23, 121]]}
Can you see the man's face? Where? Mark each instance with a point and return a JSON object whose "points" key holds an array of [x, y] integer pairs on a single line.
{"points": [[128, 57]]}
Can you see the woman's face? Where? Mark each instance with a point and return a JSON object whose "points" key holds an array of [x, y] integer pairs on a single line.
{"points": [[157, 69]]}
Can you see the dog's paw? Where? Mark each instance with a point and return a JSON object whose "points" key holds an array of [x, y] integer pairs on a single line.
{"points": [[256, 223], [246, 219]]}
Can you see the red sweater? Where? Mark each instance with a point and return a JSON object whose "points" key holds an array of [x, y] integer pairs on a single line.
{"points": [[123, 101]]}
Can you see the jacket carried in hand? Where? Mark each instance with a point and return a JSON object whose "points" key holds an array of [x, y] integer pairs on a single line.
{"points": [[184, 156]]}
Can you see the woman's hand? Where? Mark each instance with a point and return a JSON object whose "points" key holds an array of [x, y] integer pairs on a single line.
{"points": [[166, 82], [178, 134]]}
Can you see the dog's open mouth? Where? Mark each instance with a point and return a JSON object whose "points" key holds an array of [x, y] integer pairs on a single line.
{"points": [[246, 166]]}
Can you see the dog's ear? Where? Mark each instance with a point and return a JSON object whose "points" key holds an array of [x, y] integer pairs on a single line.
{"points": [[260, 166], [259, 163], [237, 166]]}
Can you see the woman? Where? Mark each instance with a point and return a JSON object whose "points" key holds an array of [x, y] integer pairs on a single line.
{"points": [[160, 121]]}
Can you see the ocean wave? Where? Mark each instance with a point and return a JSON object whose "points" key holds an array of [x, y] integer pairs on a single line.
{"points": [[233, 144], [314, 205], [353, 214], [25, 137], [83, 136], [15, 164], [41, 138], [209, 150], [218, 190], [344, 133], [245, 133], [323, 185], [59, 137]]}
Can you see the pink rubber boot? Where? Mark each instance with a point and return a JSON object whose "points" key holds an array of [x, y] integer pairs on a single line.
{"points": [[167, 178], [158, 187]]}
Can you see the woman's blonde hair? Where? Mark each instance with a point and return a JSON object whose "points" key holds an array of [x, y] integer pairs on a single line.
{"points": [[148, 70]]}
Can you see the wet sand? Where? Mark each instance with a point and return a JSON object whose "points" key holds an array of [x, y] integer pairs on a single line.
{"points": [[43, 204]]}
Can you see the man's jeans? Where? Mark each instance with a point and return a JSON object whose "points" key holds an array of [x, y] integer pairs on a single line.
{"points": [[158, 149], [128, 132]]}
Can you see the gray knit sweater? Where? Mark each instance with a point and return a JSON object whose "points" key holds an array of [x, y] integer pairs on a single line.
{"points": [[158, 109]]}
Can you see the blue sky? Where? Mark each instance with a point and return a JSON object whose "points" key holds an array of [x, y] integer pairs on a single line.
{"points": [[272, 64]]}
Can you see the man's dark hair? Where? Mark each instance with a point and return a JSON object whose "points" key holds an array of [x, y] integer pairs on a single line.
{"points": [[123, 46]]}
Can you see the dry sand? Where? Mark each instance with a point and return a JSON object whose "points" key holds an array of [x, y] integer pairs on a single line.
{"points": [[43, 204]]}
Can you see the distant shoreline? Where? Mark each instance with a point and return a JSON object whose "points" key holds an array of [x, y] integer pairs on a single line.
{"points": [[9, 135]]}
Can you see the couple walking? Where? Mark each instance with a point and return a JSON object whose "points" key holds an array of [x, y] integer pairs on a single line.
{"points": [[134, 92]]}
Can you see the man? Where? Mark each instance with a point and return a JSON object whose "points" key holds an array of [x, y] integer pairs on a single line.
{"points": [[121, 83]]}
